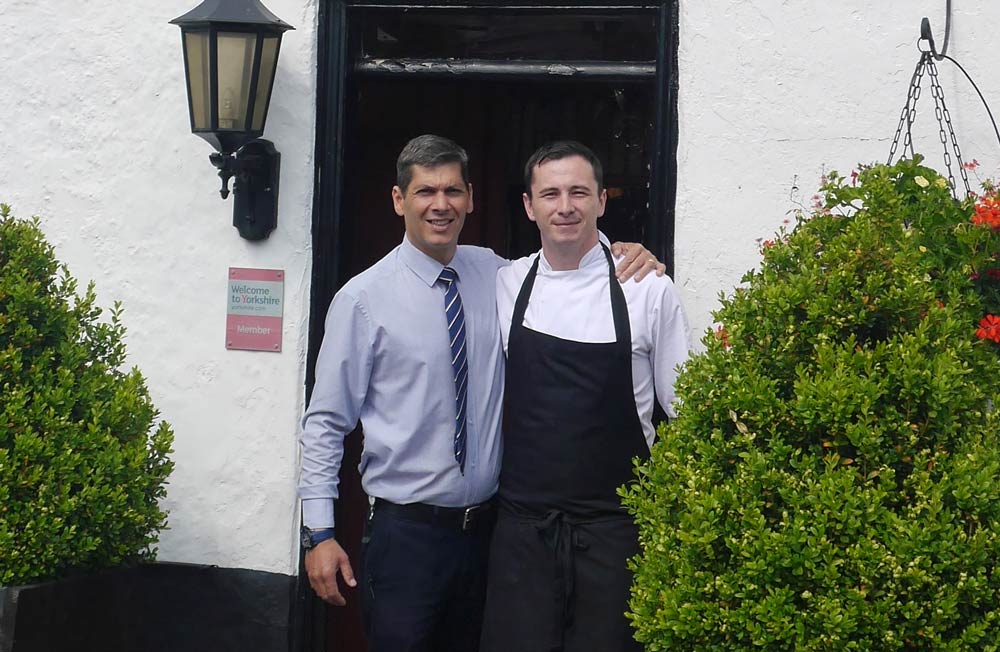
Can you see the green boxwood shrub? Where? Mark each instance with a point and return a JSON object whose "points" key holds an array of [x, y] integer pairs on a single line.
{"points": [[81, 465], [832, 481]]}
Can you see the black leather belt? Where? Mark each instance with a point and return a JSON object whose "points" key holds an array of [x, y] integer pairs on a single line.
{"points": [[459, 518]]}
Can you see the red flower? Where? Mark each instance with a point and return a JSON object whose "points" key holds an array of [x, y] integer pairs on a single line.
{"points": [[988, 213], [723, 336], [989, 328], [971, 166]]}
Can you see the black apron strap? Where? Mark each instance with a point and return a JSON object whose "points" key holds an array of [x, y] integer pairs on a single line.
{"points": [[557, 533], [521, 303], [619, 308]]}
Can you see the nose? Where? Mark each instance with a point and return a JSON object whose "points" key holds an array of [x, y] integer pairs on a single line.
{"points": [[440, 202], [564, 206]]}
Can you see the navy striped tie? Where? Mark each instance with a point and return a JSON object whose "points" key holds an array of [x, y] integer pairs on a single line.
{"points": [[459, 363]]}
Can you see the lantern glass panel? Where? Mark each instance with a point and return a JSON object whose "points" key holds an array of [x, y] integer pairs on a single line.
{"points": [[236, 61], [268, 62], [199, 91]]}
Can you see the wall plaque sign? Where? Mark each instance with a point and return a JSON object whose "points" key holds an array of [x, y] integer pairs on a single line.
{"points": [[254, 309]]}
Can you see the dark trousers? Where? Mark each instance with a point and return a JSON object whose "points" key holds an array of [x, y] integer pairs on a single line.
{"points": [[423, 585], [559, 586]]}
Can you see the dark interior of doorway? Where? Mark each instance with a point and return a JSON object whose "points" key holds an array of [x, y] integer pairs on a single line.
{"points": [[500, 123]]}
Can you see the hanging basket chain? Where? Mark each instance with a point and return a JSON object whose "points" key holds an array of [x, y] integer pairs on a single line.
{"points": [[944, 120], [908, 113], [946, 131]]}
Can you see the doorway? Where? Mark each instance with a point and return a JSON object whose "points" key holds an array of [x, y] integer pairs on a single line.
{"points": [[391, 71], [499, 124]]}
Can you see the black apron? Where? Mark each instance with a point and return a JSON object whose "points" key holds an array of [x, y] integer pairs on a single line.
{"points": [[558, 578]]}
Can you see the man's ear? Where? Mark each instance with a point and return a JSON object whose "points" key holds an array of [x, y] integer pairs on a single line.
{"points": [[397, 200], [604, 202], [527, 206], [471, 205]]}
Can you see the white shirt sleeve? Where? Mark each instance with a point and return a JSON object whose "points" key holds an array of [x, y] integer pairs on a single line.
{"points": [[671, 343]]}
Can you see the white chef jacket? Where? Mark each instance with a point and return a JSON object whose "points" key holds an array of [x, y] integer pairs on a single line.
{"points": [[576, 305]]}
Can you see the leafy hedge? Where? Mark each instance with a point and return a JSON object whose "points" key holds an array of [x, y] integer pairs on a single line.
{"points": [[81, 465], [832, 481]]}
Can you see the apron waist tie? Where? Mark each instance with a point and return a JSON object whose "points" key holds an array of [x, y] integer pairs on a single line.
{"points": [[562, 539]]}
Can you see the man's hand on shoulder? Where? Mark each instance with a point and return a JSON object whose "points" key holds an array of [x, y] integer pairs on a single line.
{"points": [[322, 565], [637, 262]]}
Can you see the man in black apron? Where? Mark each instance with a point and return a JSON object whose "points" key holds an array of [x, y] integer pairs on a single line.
{"points": [[584, 354]]}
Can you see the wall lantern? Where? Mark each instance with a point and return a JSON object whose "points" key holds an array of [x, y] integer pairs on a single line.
{"points": [[230, 55]]}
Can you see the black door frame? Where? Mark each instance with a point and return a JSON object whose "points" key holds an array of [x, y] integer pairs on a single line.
{"points": [[308, 616]]}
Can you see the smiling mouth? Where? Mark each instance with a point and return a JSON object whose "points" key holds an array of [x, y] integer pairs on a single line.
{"points": [[444, 221]]}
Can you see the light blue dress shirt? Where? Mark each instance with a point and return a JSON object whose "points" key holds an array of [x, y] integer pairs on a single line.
{"points": [[386, 360]]}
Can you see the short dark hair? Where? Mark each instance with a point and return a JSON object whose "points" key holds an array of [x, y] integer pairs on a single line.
{"points": [[562, 149], [429, 151]]}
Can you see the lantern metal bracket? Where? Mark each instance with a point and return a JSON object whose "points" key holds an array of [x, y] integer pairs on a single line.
{"points": [[255, 169]]}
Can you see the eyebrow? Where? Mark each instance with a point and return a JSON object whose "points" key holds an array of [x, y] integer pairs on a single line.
{"points": [[428, 186], [571, 189]]}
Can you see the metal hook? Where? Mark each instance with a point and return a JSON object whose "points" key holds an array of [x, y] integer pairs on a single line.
{"points": [[926, 35]]}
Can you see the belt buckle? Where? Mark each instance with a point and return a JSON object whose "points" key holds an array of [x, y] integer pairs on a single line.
{"points": [[467, 518]]}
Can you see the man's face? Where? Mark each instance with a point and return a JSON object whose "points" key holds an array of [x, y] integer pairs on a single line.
{"points": [[434, 207], [565, 203]]}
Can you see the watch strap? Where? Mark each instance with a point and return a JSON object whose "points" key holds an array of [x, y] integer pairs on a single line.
{"points": [[312, 538]]}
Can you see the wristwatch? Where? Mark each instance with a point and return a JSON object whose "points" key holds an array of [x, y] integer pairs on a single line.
{"points": [[312, 538]]}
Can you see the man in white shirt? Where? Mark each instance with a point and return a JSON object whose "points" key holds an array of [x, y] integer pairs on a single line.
{"points": [[584, 357]]}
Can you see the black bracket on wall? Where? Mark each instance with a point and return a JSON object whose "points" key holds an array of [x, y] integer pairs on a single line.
{"points": [[255, 167], [927, 35]]}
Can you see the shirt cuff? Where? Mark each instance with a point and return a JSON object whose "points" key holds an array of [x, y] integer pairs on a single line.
{"points": [[317, 513]]}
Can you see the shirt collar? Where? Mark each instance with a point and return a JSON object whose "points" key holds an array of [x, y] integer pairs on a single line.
{"points": [[593, 255], [425, 267]]}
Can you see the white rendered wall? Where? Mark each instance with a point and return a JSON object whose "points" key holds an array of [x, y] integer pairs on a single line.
{"points": [[95, 140], [774, 92]]}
